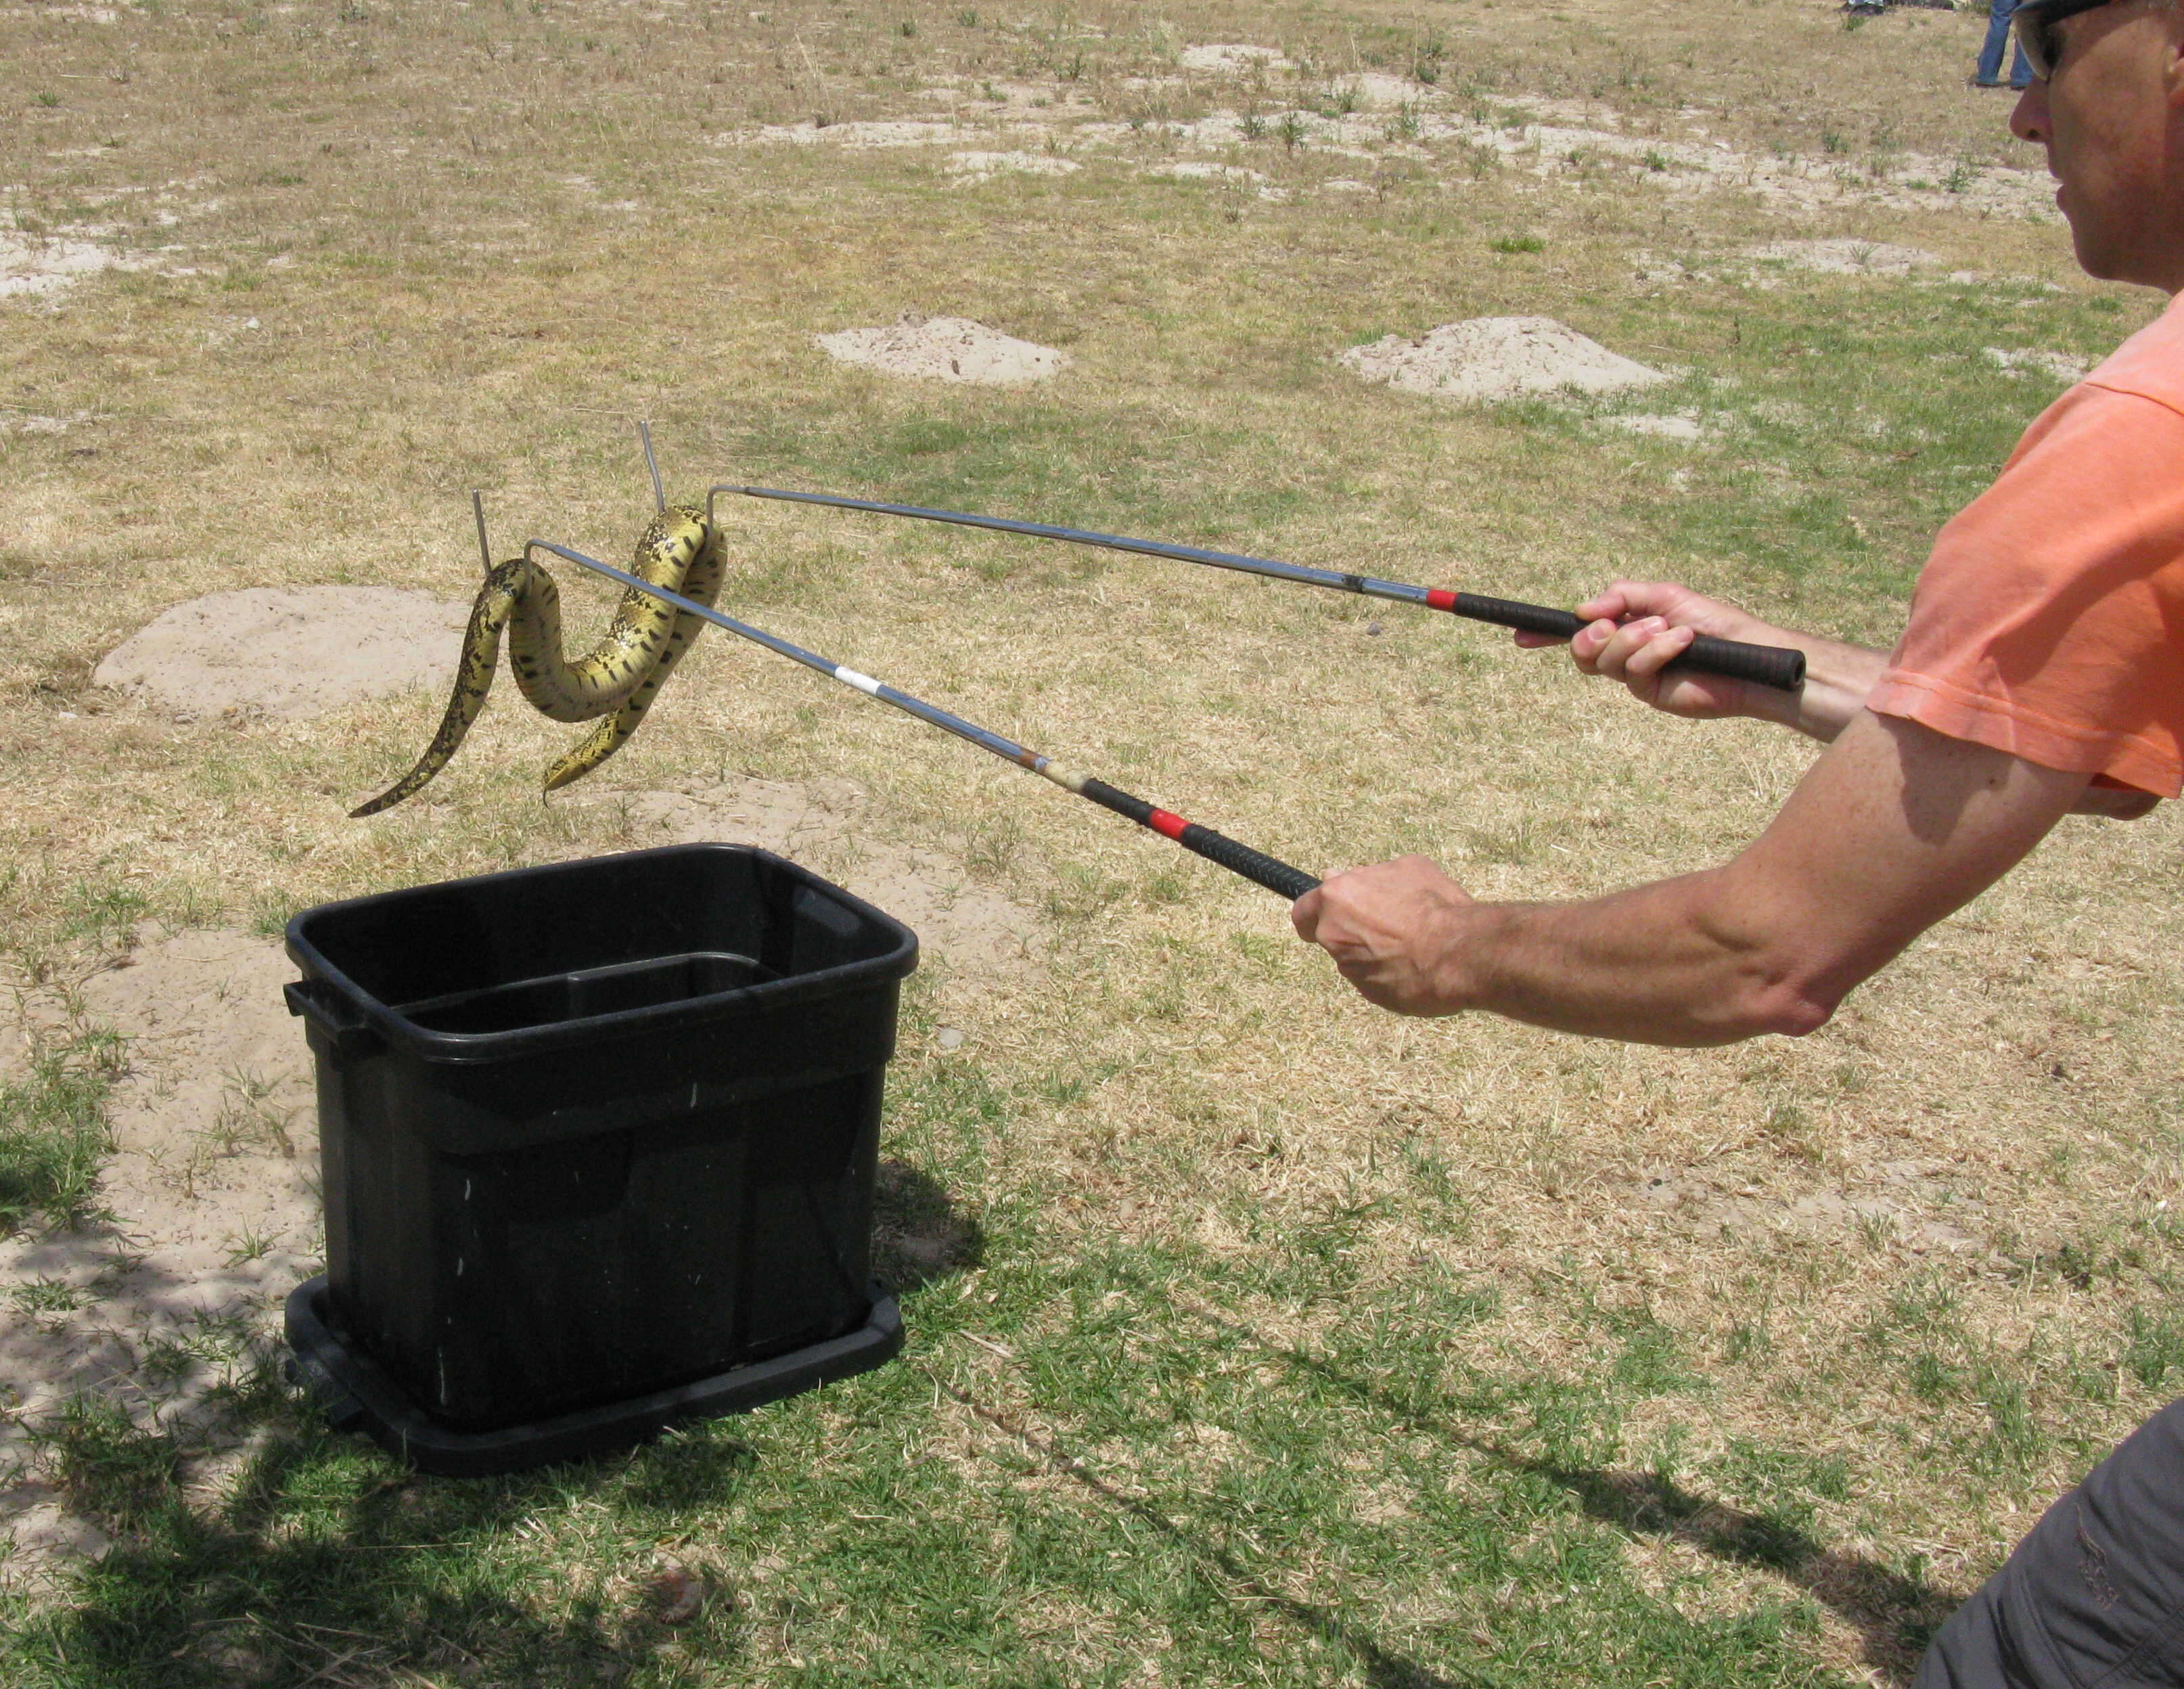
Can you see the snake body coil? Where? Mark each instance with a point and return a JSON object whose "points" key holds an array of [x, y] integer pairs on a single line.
{"points": [[617, 679]]}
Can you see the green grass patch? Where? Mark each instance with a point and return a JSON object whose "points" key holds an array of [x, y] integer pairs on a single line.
{"points": [[54, 1133]]}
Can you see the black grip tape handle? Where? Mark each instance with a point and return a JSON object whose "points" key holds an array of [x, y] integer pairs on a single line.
{"points": [[1277, 877], [1214, 847], [1774, 665]]}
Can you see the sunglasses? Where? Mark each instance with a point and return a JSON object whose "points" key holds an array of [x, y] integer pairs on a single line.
{"points": [[2035, 22]]}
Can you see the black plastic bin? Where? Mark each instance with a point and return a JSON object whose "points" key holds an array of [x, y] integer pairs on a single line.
{"points": [[598, 1144]]}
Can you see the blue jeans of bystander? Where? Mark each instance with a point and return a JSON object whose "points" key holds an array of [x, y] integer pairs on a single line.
{"points": [[1989, 74]]}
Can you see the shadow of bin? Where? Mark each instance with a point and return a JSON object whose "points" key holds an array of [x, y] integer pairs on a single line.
{"points": [[598, 1142]]}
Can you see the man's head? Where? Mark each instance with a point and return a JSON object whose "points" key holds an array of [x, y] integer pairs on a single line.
{"points": [[2110, 111]]}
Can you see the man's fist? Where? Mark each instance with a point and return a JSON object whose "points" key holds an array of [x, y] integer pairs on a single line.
{"points": [[1394, 931]]}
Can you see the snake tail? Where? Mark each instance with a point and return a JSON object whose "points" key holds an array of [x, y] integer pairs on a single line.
{"points": [[702, 581], [504, 587]]}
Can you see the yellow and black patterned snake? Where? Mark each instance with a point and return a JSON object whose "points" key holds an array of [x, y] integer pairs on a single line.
{"points": [[618, 678]]}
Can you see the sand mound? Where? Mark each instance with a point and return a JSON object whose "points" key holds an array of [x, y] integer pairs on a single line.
{"points": [[1498, 358], [947, 349], [824, 825], [215, 1212], [1846, 257], [288, 651]]}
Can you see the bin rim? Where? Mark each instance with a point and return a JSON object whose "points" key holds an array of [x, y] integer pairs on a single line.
{"points": [[465, 1048]]}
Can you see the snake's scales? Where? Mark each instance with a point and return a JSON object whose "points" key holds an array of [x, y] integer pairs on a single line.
{"points": [[618, 678]]}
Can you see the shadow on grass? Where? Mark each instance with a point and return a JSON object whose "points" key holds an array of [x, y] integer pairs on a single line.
{"points": [[1893, 1614], [1383, 1670], [333, 1564], [918, 1236]]}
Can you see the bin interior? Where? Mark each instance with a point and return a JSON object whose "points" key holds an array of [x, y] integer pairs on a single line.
{"points": [[588, 991], [579, 940]]}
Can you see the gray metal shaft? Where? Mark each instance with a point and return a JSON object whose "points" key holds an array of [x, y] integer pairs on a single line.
{"points": [[1147, 548], [652, 463], [485, 547]]}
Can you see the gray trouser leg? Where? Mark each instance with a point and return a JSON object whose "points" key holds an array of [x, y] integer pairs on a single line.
{"points": [[2094, 1597]]}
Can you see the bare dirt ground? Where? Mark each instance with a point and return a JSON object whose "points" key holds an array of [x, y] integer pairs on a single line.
{"points": [[286, 651], [948, 348], [212, 1211]]}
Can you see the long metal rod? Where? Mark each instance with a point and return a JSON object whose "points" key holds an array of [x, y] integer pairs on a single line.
{"points": [[1773, 666], [485, 547], [1112, 541], [1261, 869], [652, 463]]}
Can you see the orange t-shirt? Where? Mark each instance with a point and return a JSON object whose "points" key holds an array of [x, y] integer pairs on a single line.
{"points": [[2048, 621]]}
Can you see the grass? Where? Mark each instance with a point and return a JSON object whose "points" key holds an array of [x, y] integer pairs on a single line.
{"points": [[54, 1135], [1255, 1337]]}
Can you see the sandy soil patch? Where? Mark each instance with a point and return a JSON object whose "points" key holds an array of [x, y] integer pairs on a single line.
{"points": [[1230, 175], [1232, 58], [1549, 139], [825, 825], [1678, 426], [28, 422], [288, 651], [1846, 257], [1491, 358], [36, 265], [978, 166], [861, 136], [1552, 140], [2058, 365], [214, 1204], [946, 349], [1916, 1202]]}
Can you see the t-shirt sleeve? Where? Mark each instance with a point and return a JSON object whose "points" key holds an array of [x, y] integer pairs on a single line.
{"points": [[2049, 619]]}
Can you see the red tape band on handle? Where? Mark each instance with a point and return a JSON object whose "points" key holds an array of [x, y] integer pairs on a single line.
{"points": [[1277, 875]]}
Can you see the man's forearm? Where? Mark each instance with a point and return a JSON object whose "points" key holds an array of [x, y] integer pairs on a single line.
{"points": [[1660, 964], [1894, 827]]}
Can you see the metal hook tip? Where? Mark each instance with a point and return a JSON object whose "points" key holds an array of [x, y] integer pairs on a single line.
{"points": [[477, 509], [652, 464]]}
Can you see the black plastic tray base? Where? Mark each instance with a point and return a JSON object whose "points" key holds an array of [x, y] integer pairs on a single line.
{"points": [[355, 1394]]}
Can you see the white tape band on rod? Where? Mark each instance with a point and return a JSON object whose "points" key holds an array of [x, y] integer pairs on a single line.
{"points": [[863, 683]]}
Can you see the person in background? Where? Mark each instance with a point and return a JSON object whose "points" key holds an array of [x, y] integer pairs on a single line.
{"points": [[2041, 673], [1989, 74]]}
